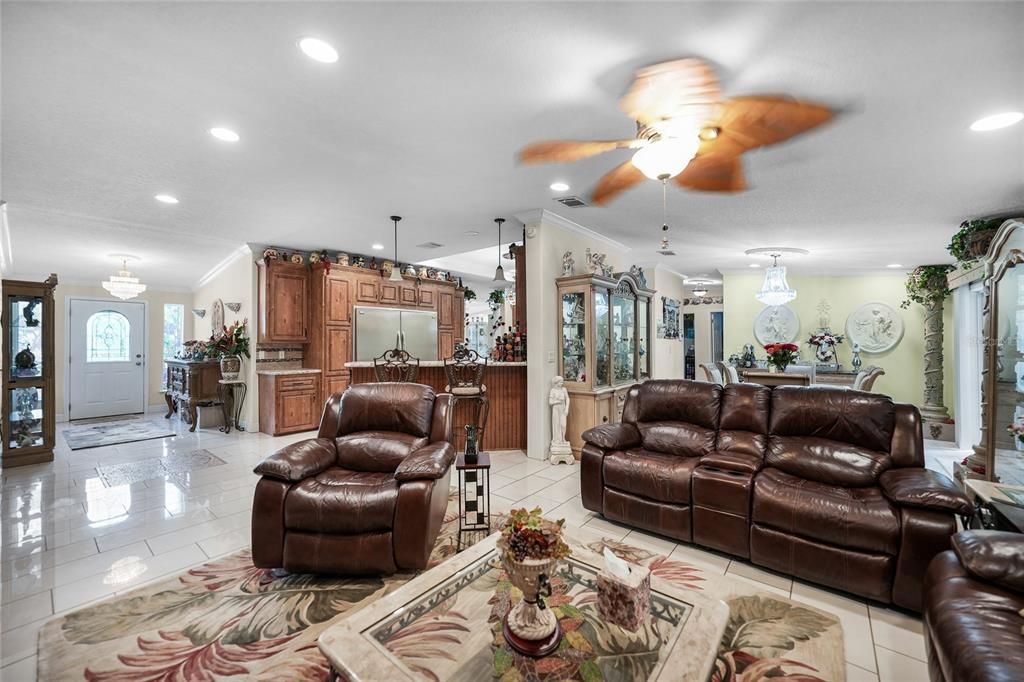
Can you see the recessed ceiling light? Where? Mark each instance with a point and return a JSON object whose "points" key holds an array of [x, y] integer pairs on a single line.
{"points": [[894, 265], [559, 187], [166, 199], [997, 121], [319, 50], [755, 265], [377, 247], [471, 233], [225, 134]]}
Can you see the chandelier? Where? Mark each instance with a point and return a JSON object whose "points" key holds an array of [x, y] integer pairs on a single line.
{"points": [[775, 290], [123, 285]]}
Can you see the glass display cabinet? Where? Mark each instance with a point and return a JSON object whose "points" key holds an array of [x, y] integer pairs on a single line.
{"points": [[1003, 373], [28, 401], [604, 334]]}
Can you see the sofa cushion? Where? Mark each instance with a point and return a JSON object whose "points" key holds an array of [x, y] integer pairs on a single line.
{"points": [[342, 501], [676, 438], [995, 556], [827, 461], [376, 450], [679, 400], [865, 420], [404, 407], [855, 518], [743, 423], [654, 475]]}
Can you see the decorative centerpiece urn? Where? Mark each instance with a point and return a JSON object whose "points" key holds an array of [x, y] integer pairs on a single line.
{"points": [[531, 547]]}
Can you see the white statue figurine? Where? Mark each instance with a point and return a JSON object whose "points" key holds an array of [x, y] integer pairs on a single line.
{"points": [[568, 263], [558, 398]]}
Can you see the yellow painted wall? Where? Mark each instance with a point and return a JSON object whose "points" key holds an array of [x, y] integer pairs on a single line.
{"points": [[904, 365], [155, 322]]}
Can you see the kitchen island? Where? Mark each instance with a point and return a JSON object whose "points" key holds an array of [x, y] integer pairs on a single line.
{"points": [[506, 391]]}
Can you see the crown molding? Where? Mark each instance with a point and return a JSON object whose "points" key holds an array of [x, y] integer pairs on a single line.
{"points": [[239, 252], [543, 215]]}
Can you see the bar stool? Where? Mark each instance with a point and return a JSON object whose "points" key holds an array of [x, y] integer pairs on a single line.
{"points": [[396, 365], [464, 371]]}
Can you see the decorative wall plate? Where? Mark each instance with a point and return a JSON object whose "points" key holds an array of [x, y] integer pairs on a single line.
{"points": [[876, 327], [776, 324], [217, 317]]}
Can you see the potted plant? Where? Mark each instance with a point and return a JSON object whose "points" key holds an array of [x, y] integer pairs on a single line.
{"points": [[230, 346], [496, 299], [927, 284], [781, 355], [469, 294], [531, 546], [971, 241]]}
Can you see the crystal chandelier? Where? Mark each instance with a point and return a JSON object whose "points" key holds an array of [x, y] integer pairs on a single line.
{"points": [[123, 285], [700, 291], [775, 290]]}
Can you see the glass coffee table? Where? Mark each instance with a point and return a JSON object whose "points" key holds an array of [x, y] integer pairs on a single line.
{"points": [[445, 624]]}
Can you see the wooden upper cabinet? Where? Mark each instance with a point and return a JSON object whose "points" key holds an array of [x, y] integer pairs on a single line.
{"points": [[367, 290], [284, 303], [388, 292], [337, 303], [426, 296], [445, 309], [408, 295], [459, 316]]}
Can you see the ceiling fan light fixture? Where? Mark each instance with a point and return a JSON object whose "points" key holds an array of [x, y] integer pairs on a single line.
{"points": [[666, 158]]}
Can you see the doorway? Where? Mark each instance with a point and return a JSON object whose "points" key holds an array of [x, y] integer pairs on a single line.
{"points": [[106, 358]]}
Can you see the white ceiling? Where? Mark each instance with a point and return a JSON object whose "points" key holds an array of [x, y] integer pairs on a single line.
{"points": [[106, 104]]}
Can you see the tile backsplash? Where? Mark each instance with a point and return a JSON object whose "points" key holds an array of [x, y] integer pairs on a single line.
{"points": [[278, 357]]}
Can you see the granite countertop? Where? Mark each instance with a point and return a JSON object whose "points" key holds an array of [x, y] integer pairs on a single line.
{"points": [[278, 372], [434, 363]]}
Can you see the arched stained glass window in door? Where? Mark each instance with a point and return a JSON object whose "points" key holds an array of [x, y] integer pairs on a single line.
{"points": [[107, 335]]}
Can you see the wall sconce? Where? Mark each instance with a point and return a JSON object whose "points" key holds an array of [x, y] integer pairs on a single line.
{"points": [[233, 307], [199, 312]]}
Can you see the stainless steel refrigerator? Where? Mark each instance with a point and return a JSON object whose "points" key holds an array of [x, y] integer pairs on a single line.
{"points": [[381, 329]]}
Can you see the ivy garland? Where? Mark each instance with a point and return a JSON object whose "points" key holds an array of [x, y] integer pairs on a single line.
{"points": [[927, 284]]}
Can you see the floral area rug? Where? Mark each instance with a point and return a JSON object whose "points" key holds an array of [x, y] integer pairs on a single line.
{"points": [[227, 620]]}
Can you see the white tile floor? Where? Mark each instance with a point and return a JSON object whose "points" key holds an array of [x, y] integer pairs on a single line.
{"points": [[67, 540]]}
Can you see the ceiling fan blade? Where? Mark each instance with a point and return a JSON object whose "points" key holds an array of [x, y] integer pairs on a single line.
{"points": [[618, 180], [713, 173], [747, 123], [684, 88], [564, 151]]}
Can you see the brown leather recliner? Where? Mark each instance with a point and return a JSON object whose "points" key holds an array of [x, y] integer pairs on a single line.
{"points": [[973, 595], [368, 494], [822, 483]]}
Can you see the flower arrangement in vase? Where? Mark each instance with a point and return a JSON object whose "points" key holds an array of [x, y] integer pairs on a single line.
{"points": [[824, 343], [781, 355], [531, 546], [1016, 429]]}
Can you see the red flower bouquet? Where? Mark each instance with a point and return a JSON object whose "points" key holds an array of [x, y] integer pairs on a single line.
{"points": [[781, 355]]}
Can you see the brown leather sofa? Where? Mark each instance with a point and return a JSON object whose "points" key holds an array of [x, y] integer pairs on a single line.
{"points": [[825, 484], [368, 494], [973, 595]]}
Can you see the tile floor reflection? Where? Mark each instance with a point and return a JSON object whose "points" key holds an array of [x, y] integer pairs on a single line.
{"points": [[70, 536]]}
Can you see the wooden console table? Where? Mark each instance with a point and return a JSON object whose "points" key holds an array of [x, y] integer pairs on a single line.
{"points": [[191, 383]]}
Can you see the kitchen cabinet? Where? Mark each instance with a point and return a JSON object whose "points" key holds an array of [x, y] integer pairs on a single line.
{"points": [[283, 303], [289, 401]]}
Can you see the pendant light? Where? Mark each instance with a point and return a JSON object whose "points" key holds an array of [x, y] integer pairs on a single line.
{"points": [[775, 290], [499, 272], [123, 285], [396, 271]]}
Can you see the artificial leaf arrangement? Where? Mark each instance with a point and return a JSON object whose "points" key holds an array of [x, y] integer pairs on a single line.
{"points": [[528, 535], [927, 284], [781, 355], [469, 294], [233, 340], [496, 299], [969, 243]]}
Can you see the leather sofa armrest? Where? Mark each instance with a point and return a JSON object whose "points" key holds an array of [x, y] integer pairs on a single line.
{"points": [[993, 556], [621, 436], [299, 460], [441, 424], [729, 460], [916, 487], [429, 462]]}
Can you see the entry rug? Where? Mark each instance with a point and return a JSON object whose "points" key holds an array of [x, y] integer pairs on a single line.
{"points": [[112, 433], [227, 620]]}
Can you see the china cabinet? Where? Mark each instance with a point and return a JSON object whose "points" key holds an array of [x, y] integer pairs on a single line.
{"points": [[1003, 369], [28, 400], [604, 333]]}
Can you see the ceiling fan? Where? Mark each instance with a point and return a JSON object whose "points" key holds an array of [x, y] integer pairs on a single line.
{"points": [[686, 131]]}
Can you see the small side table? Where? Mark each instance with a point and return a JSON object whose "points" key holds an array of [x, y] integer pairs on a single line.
{"points": [[474, 495], [231, 406], [993, 509]]}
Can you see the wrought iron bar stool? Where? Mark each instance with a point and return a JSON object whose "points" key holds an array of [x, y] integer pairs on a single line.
{"points": [[464, 371], [396, 365]]}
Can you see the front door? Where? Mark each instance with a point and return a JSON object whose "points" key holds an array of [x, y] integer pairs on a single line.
{"points": [[107, 363]]}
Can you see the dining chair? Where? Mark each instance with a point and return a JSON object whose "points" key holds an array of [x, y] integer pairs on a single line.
{"points": [[729, 373], [396, 365], [713, 374], [865, 380], [803, 369]]}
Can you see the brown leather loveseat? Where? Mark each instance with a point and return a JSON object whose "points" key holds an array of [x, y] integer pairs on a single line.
{"points": [[368, 494], [825, 484], [973, 595]]}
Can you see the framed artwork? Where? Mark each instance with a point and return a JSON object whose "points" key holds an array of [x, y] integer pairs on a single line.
{"points": [[669, 327], [776, 324], [876, 327]]}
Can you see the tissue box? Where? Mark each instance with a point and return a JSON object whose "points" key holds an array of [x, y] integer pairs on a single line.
{"points": [[624, 601]]}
